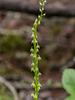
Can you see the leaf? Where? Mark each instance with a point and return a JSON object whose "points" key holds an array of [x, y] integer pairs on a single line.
{"points": [[70, 98], [68, 81]]}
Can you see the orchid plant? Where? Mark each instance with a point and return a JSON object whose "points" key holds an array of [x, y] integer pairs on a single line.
{"points": [[34, 52]]}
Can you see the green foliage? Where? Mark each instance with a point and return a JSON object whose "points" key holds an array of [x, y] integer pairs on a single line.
{"points": [[11, 43], [68, 81], [5, 94], [49, 83], [58, 85], [34, 53], [70, 97]]}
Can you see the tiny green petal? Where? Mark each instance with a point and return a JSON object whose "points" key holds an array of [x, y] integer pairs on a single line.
{"points": [[32, 95], [32, 35], [39, 74], [37, 50], [36, 69], [33, 29], [44, 14], [33, 85], [32, 55], [39, 85], [34, 78], [32, 69], [38, 46], [36, 20], [39, 58], [32, 50], [39, 22], [32, 64], [35, 96], [44, 1], [40, 10], [32, 41], [39, 16], [38, 88], [36, 41], [40, 3]]}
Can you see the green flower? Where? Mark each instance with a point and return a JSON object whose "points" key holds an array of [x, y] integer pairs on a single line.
{"points": [[34, 52]]}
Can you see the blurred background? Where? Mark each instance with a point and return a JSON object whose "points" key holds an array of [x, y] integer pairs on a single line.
{"points": [[56, 37]]}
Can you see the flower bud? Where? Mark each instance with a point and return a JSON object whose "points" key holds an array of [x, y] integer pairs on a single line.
{"points": [[33, 29], [32, 69], [38, 88], [39, 58], [33, 85], [32, 35], [40, 3]]}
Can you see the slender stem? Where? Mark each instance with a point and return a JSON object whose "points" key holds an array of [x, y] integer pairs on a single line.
{"points": [[34, 54]]}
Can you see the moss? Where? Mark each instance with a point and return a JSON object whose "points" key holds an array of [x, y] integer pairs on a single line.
{"points": [[5, 94], [9, 70], [11, 43]]}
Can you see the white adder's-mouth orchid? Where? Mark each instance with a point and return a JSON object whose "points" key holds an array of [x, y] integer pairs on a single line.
{"points": [[34, 52]]}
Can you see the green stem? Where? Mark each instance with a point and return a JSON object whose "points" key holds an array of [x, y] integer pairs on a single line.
{"points": [[34, 54]]}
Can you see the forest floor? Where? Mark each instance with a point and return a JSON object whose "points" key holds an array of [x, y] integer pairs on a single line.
{"points": [[56, 38]]}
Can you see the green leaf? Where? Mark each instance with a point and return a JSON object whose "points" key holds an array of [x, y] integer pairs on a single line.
{"points": [[70, 98], [68, 81]]}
